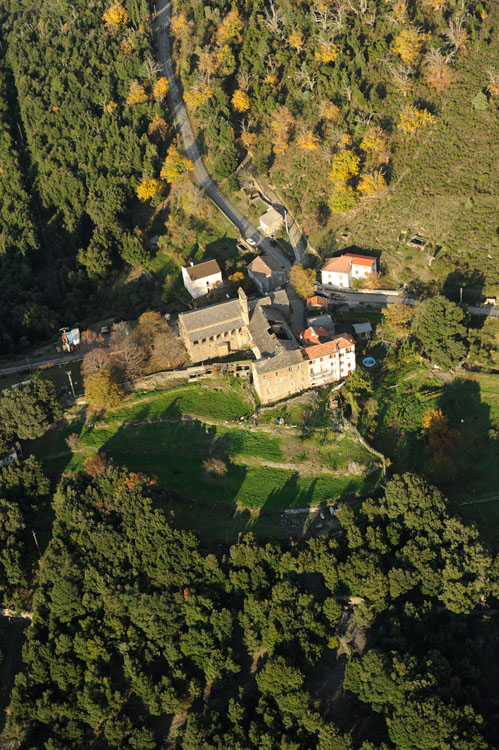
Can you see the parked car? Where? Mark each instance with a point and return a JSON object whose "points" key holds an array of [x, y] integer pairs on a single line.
{"points": [[250, 241]]}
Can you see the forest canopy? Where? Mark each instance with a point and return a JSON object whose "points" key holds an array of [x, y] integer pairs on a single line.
{"points": [[68, 184], [141, 638]]}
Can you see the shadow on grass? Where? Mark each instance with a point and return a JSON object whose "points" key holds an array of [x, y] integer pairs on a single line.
{"points": [[474, 456]]}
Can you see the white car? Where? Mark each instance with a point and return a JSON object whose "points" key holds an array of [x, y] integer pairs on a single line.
{"points": [[250, 241]]}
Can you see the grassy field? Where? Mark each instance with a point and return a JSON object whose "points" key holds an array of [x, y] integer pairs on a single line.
{"points": [[444, 185], [170, 434]]}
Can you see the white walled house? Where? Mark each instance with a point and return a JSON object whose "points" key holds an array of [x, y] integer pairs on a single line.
{"points": [[201, 278], [330, 361], [343, 270]]}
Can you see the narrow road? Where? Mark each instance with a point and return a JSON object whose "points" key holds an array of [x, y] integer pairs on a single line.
{"points": [[34, 362], [190, 145], [376, 297]]}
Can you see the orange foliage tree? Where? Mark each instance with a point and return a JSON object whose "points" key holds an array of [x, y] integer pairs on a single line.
{"points": [[330, 111], [282, 125], [157, 128]]}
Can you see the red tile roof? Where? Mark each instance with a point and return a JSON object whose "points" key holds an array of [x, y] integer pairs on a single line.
{"points": [[317, 301], [360, 260], [339, 265], [342, 341], [313, 333], [342, 263]]}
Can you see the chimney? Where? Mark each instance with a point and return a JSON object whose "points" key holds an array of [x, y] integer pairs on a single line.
{"points": [[243, 305]]}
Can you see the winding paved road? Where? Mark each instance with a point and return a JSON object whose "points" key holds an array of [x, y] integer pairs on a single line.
{"points": [[190, 145]]}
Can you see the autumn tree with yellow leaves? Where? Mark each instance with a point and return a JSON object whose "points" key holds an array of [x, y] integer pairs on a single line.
{"points": [[240, 101], [295, 39], [371, 184], [179, 24], [110, 108], [160, 89], [409, 45], [345, 165], [302, 280], [327, 52], [148, 188], [413, 118], [307, 141], [374, 140], [115, 17], [343, 198], [230, 28], [198, 95], [136, 95], [175, 164]]}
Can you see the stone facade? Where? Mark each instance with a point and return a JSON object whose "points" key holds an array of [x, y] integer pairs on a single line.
{"points": [[267, 273], [282, 366], [217, 330]]}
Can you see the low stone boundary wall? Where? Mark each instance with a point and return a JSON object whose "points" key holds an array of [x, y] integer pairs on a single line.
{"points": [[241, 368]]}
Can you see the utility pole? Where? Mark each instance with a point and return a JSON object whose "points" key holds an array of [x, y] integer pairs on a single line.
{"points": [[29, 363], [68, 373], [460, 295]]}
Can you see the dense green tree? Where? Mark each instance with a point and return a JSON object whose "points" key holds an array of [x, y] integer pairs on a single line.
{"points": [[28, 411], [440, 328]]}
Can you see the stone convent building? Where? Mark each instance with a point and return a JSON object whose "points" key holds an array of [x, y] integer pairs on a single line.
{"points": [[282, 365]]}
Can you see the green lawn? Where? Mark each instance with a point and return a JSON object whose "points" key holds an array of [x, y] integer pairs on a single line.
{"points": [[163, 434], [223, 399]]}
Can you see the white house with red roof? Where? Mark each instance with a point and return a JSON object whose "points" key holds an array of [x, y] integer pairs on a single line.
{"points": [[341, 271], [331, 360]]}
